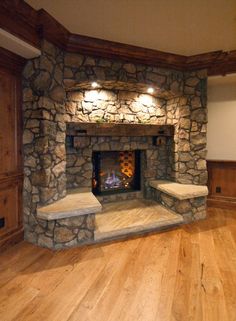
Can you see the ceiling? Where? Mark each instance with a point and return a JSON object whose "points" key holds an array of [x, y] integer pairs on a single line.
{"points": [[185, 27], [220, 80]]}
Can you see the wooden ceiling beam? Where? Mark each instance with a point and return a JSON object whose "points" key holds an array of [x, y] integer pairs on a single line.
{"points": [[116, 50], [20, 19], [216, 62]]}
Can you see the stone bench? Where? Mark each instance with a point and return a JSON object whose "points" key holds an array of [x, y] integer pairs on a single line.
{"points": [[72, 205], [185, 199], [69, 221], [179, 191]]}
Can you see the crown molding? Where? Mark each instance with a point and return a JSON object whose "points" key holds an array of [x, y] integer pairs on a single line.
{"points": [[50, 29], [20, 19], [116, 50], [216, 62]]}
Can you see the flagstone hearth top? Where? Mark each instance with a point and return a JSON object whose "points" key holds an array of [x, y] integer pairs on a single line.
{"points": [[120, 219], [72, 205], [179, 191]]}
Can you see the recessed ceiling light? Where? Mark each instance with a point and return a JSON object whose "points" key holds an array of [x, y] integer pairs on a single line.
{"points": [[94, 84], [150, 90]]}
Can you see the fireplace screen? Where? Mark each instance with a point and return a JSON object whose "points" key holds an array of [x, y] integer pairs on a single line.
{"points": [[116, 172]]}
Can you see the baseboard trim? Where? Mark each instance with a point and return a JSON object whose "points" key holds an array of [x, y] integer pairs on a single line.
{"points": [[221, 203]]}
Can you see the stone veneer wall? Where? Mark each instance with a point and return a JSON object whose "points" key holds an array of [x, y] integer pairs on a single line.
{"points": [[187, 155], [48, 106], [191, 209]]}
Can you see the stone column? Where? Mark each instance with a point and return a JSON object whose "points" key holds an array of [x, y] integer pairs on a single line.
{"points": [[44, 135], [43, 84], [192, 130]]}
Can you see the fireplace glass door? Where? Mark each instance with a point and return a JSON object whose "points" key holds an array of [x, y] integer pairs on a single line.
{"points": [[116, 172]]}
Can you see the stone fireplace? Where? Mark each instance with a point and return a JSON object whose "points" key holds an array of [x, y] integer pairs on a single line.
{"points": [[116, 172], [119, 153], [60, 149]]}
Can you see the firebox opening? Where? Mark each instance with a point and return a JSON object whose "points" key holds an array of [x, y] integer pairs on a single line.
{"points": [[116, 172]]}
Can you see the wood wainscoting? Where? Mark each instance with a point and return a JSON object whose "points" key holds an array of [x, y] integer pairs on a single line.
{"points": [[222, 183], [11, 170]]}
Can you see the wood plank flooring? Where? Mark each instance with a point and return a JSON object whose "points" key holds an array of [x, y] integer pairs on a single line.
{"points": [[186, 274]]}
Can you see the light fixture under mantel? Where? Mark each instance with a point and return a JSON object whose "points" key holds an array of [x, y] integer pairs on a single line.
{"points": [[94, 84], [150, 90], [142, 88]]}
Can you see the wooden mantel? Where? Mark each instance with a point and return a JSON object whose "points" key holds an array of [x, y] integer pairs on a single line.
{"points": [[118, 129]]}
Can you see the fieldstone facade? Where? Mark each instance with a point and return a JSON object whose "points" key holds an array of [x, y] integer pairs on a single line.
{"points": [[54, 95], [62, 233], [191, 209]]}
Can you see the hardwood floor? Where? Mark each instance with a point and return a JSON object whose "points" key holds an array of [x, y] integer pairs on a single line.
{"points": [[187, 274]]}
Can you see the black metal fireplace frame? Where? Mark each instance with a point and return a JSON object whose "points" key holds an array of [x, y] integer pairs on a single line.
{"points": [[96, 156]]}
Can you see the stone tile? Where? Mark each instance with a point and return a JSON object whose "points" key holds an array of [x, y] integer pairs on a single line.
{"points": [[179, 191], [71, 205], [124, 218]]}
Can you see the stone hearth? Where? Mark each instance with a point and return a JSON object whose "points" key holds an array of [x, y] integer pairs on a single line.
{"points": [[121, 219], [57, 93]]}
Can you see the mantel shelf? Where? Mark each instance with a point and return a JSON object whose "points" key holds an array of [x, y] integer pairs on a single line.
{"points": [[118, 129]]}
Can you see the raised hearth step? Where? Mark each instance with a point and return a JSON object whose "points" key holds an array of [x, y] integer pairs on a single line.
{"points": [[121, 219], [179, 191], [72, 205]]}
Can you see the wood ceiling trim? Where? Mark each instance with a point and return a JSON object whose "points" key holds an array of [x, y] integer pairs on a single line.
{"points": [[216, 62], [50, 29], [20, 19], [115, 50]]}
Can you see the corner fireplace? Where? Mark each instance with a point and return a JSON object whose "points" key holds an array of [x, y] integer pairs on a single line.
{"points": [[116, 172]]}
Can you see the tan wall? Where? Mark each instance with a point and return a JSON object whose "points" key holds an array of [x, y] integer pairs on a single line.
{"points": [[221, 135]]}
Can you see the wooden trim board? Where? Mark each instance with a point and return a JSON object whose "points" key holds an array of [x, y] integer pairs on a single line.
{"points": [[115, 129], [20, 19]]}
